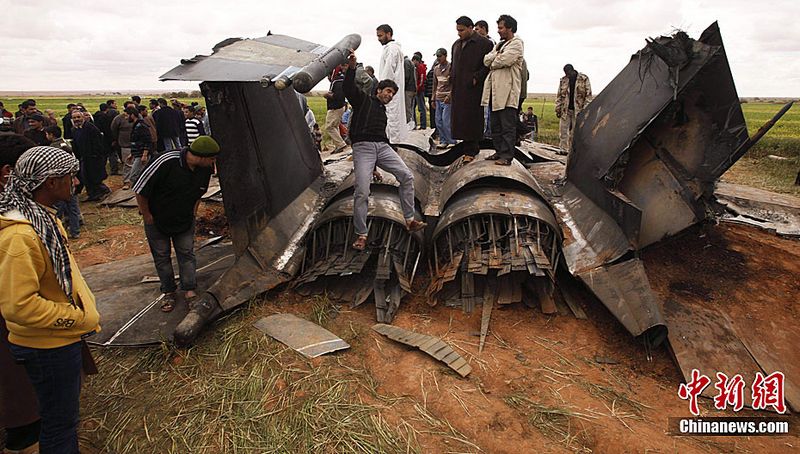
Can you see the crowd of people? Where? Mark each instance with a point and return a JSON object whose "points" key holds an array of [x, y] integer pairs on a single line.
{"points": [[482, 88], [166, 155]]}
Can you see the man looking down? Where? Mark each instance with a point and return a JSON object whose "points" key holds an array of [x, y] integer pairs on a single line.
{"points": [[168, 194]]}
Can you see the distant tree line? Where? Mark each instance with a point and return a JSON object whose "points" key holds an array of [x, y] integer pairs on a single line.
{"points": [[182, 94]]}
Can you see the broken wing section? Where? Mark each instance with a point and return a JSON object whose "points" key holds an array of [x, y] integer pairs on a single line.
{"points": [[247, 60], [649, 148], [270, 173]]}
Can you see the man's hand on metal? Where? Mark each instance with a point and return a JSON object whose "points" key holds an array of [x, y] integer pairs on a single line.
{"points": [[351, 59]]}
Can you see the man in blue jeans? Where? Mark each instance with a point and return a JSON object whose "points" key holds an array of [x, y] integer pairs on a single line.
{"points": [[441, 94], [371, 148], [168, 193]]}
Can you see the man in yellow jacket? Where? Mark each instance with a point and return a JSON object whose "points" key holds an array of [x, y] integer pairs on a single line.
{"points": [[45, 301]]}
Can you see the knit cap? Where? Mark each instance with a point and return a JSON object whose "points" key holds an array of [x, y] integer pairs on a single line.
{"points": [[204, 146]]}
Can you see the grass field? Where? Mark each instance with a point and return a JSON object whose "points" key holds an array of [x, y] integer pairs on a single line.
{"points": [[755, 168]]}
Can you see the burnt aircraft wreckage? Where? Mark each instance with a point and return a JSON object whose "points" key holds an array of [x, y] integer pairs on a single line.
{"points": [[648, 151]]}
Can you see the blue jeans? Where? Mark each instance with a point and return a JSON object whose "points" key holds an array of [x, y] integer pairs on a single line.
{"points": [[162, 257], [366, 156], [443, 123], [423, 123], [171, 143], [55, 374], [487, 114], [72, 211]]}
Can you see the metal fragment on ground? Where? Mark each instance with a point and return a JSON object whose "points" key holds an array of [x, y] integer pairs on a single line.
{"points": [[303, 336], [433, 346]]}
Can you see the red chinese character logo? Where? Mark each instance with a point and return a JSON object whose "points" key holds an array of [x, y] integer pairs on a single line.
{"points": [[690, 391], [768, 391], [729, 391]]}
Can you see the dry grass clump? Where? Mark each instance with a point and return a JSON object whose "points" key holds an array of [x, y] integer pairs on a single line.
{"points": [[236, 391]]}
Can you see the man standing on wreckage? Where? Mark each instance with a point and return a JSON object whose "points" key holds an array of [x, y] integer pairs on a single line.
{"points": [[371, 148], [392, 68]]}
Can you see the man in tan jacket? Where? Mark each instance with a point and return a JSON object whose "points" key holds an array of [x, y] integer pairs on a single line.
{"points": [[574, 92], [501, 92]]}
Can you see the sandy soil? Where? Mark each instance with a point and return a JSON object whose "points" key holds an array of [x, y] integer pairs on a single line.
{"points": [[544, 383]]}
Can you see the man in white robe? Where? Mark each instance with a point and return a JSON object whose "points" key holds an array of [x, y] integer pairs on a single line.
{"points": [[391, 67]]}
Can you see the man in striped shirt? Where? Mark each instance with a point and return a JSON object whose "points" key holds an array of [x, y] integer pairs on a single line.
{"points": [[194, 127], [168, 194]]}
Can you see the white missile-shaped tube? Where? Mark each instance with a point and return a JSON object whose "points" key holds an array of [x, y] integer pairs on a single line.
{"points": [[304, 79]]}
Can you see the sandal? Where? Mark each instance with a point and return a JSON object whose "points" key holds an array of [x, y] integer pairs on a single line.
{"points": [[503, 162], [414, 225], [467, 159], [168, 302], [360, 243], [493, 157]]}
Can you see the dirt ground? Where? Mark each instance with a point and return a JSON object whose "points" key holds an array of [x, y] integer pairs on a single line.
{"points": [[538, 385], [544, 383]]}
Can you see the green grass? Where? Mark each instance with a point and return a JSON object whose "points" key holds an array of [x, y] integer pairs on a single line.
{"points": [[92, 103], [754, 168]]}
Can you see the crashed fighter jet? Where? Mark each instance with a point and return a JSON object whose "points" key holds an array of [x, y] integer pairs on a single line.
{"points": [[648, 151]]}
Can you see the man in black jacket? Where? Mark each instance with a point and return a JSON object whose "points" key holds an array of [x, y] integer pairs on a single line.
{"points": [[103, 119], [87, 143], [170, 127], [371, 148], [467, 76]]}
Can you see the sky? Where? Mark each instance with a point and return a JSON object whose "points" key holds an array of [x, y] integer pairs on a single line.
{"points": [[113, 46]]}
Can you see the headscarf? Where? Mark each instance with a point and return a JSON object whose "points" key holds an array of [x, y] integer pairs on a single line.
{"points": [[32, 169]]}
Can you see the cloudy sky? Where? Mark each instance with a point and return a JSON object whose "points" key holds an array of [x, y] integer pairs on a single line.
{"points": [[90, 45]]}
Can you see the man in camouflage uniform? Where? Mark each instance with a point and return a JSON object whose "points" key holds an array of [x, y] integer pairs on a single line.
{"points": [[574, 93]]}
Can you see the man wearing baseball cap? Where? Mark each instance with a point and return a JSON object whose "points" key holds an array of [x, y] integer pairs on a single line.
{"points": [[35, 131], [168, 194]]}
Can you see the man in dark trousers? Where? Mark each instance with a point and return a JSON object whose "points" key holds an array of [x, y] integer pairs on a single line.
{"points": [[168, 194], [87, 143], [66, 121], [170, 127], [371, 148], [466, 77], [103, 119]]}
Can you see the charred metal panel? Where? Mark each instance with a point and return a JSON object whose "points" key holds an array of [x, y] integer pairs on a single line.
{"points": [[303, 336], [625, 291], [267, 158], [131, 308], [658, 136], [591, 237], [384, 270]]}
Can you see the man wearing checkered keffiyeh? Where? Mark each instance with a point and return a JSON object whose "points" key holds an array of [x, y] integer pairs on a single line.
{"points": [[45, 302], [33, 168]]}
